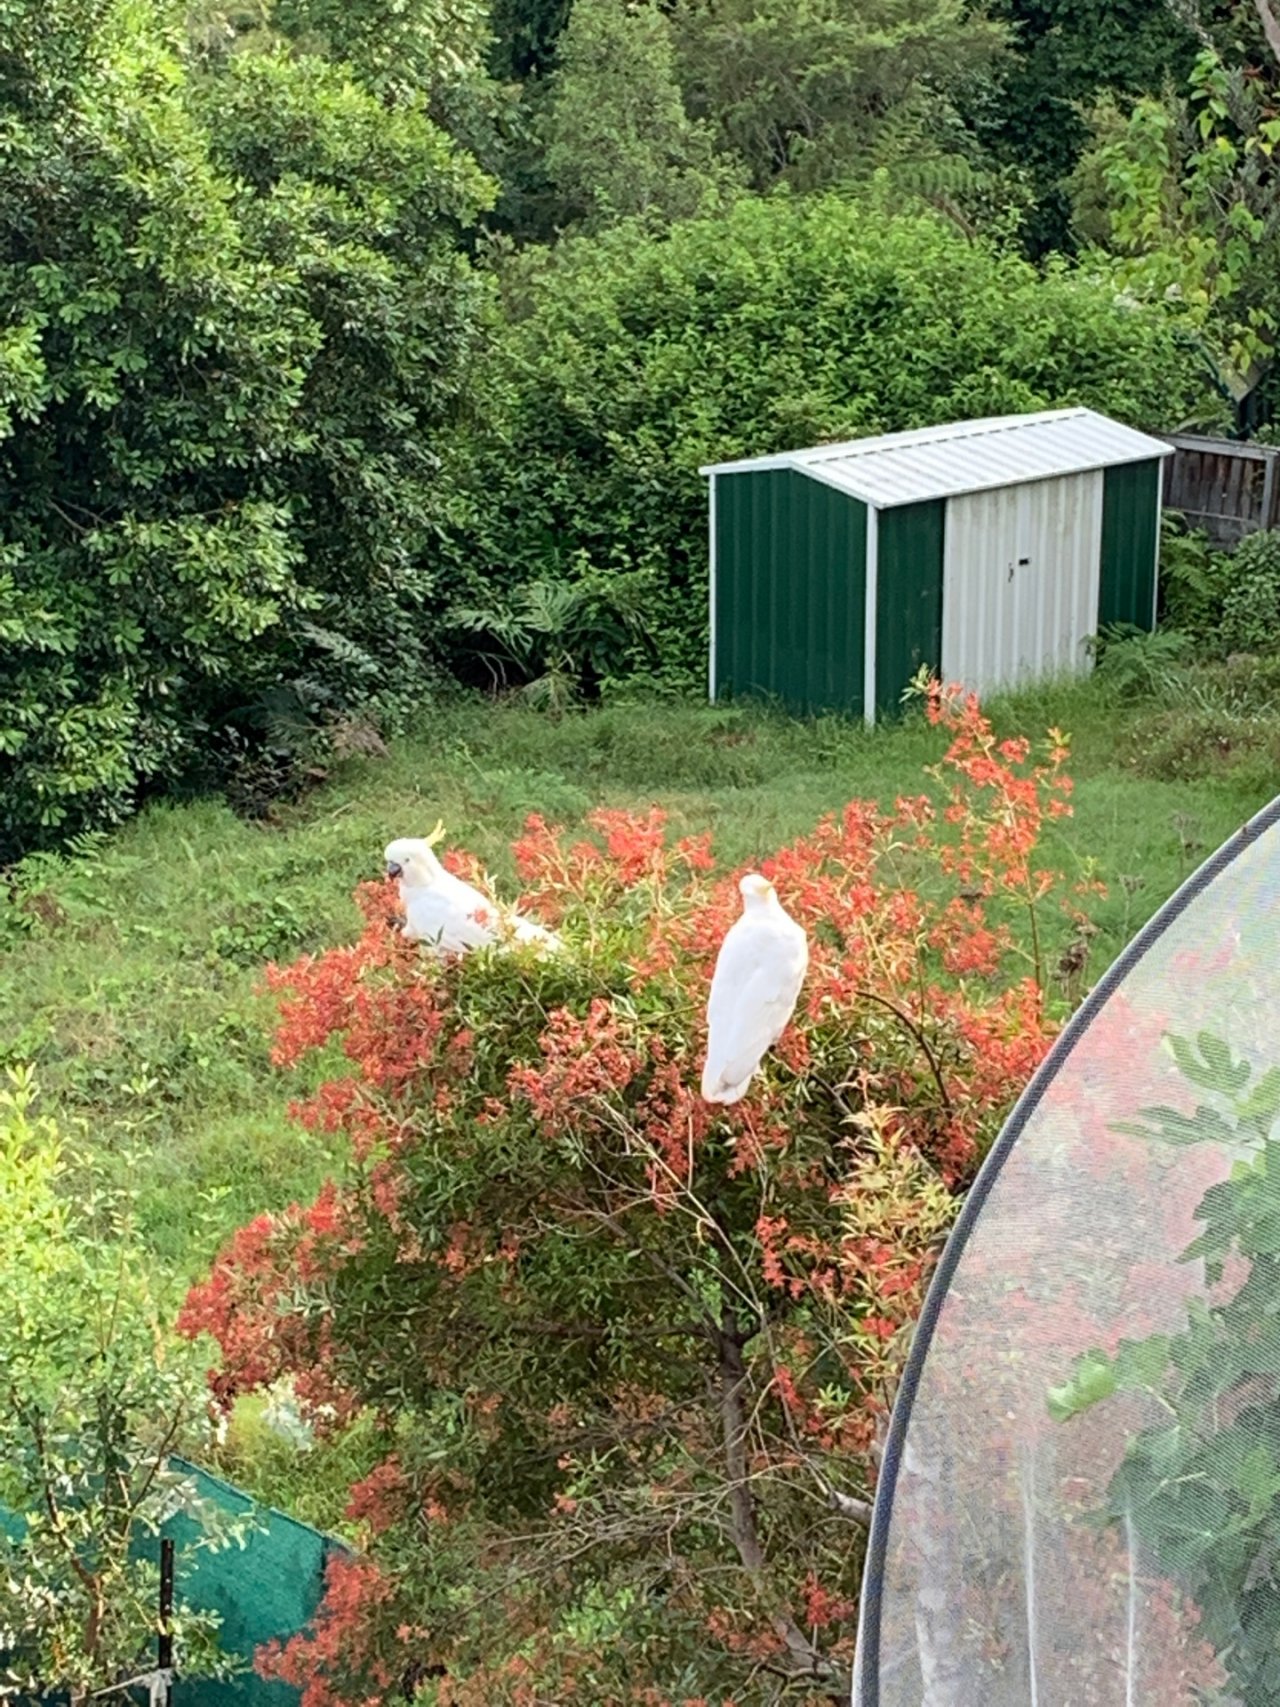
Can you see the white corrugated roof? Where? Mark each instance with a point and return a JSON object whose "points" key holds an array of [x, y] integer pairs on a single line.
{"points": [[965, 456]]}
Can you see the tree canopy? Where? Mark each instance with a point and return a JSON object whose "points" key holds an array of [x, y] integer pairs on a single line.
{"points": [[618, 139], [235, 312]]}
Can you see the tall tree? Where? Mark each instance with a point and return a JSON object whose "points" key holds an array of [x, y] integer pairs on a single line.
{"points": [[398, 46], [1184, 192], [1069, 52], [234, 316], [814, 90], [525, 37], [618, 140]]}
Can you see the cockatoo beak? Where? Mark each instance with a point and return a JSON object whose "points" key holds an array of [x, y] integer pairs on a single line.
{"points": [[394, 869]]}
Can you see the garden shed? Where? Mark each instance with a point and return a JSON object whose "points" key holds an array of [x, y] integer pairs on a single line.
{"points": [[990, 550]]}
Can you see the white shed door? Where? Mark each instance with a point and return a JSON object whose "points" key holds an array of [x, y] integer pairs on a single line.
{"points": [[1020, 581]]}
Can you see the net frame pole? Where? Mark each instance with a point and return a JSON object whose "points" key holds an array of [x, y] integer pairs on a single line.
{"points": [[161, 1683]]}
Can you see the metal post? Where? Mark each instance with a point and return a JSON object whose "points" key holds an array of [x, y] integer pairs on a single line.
{"points": [[870, 606], [160, 1687], [1269, 520]]}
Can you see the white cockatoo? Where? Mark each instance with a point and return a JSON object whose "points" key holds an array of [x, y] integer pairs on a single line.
{"points": [[444, 912], [759, 971]]}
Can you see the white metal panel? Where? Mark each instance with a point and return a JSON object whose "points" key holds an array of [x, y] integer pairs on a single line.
{"points": [[965, 456], [1020, 582], [869, 619]]}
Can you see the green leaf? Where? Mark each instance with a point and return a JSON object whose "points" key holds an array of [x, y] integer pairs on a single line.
{"points": [[1171, 1126], [1141, 1363], [1263, 1102], [1093, 1379], [1214, 1068]]}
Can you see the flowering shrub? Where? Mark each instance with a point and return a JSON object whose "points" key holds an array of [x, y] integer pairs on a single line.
{"points": [[631, 1355]]}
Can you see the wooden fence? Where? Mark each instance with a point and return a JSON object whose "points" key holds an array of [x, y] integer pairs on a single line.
{"points": [[1227, 488]]}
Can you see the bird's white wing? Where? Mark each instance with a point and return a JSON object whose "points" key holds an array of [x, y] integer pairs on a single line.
{"points": [[753, 994], [450, 915], [526, 930], [453, 917], [487, 921]]}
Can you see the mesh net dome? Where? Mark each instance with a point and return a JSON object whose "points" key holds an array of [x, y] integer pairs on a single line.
{"points": [[1080, 1497]]}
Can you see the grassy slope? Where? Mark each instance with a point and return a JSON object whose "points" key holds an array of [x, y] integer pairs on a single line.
{"points": [[136, 1001]]}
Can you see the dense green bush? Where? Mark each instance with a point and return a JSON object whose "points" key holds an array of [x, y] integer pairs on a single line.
{"points": [[1251, 606], [1194, 579], [1224, 601], [233, 314], [629, 360]]}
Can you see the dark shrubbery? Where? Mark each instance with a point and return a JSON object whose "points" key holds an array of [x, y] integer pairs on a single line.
{"points": [[1251, 604]]}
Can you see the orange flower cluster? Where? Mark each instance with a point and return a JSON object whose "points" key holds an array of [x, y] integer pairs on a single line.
{"points": [[343, 1642]]}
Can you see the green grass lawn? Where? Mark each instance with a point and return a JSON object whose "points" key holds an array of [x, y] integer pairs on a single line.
{"points": [[133, 992]]}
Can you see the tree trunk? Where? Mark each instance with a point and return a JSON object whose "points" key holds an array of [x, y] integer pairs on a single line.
{"points": [[1270, 26], [806, 1660]]}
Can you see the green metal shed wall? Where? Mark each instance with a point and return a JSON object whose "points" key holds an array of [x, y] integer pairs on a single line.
{"points": [[1130, 528], [790, 590], [908, 598]]}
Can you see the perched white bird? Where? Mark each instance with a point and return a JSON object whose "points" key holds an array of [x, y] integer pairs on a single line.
{"points": [[759, 971], [444, 912]]}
